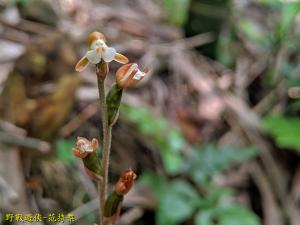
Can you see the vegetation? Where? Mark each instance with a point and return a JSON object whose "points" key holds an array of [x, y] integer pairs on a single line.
{"points": [[205, 111]]}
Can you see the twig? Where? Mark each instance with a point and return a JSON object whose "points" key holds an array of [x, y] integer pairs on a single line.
{"points": [[186, 43], [29, 26], [271, 210], [11, 161], [9, 195], [77, 121], [34, 143], [174, 46], [271, 98], [292, 200], [250, 124], [82, 211], [131, 216], [11, 128]]}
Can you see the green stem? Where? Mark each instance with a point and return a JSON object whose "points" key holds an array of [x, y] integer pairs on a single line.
{"points": [[105, 149]]}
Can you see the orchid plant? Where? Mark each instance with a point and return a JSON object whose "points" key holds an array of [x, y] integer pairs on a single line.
{"points": [[127, 76]]}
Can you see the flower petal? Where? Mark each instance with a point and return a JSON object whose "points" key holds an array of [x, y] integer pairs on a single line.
{"points": [[121, 58], [82, 64], [109, 54], [94, 56], [97, 44]]}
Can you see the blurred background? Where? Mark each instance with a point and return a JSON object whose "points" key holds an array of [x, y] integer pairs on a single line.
{"points": [[213, 132]]}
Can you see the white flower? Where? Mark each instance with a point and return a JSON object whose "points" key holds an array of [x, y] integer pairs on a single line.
{"points": [[99, 51]]}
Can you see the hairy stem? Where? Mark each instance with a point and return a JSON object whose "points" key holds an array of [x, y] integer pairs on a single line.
{"points": [[106, 147], [102, 185], [105, 165]]}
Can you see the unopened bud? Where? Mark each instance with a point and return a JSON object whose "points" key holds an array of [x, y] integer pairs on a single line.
{"points": [[125, 182]]}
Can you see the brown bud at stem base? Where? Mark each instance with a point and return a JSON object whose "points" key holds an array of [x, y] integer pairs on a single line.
{"points": [[125, 182]]}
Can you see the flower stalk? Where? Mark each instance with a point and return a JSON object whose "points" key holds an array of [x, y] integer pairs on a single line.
{"points": [[127, 76], [106, 144]]}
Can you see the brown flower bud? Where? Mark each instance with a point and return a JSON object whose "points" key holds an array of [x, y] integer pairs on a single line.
{"points": [[94, 36], [129, 75], [125, 182], [84, 147]]}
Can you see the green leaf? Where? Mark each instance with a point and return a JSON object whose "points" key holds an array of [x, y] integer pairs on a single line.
{"points": [[229, 215], [204, 217], [217, 195], [172, 162], [284, 130], [169, 141], [234, 215], [157, 184], [211, 159], [177, 203], [175, 141], [113, 101]]}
